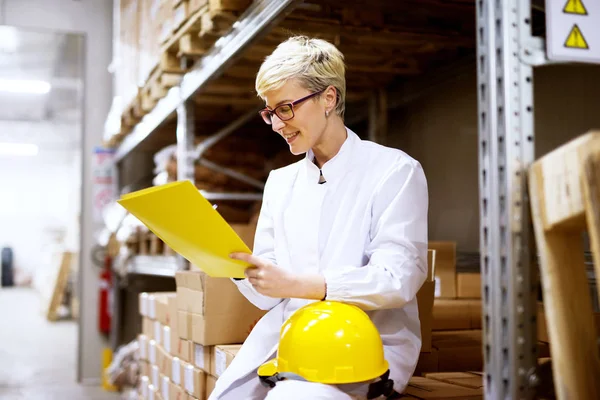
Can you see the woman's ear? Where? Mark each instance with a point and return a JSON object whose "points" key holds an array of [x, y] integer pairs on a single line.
{"points": [[330, 98]]}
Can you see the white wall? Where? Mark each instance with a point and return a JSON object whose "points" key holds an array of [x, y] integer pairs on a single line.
{"points": [[39, 195], [93, 18]]}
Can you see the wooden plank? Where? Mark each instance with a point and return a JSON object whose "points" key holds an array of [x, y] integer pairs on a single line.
{"points": [[191, 44], [591, 197], [217, 22], [142, 242], [193, 24], [60, 285], [561, 172], [567, 300]]}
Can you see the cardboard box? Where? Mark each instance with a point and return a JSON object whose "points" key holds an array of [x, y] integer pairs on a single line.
{"points": [[165, 387], [226, 316], [172, 314], [180, 15], [456, 314], [148, 327], [465, 379], [468, 285], [211, 382], [176, 392], [194, 381], [166, 339], [184, 325], [152, 352], [143, 343], [176, 370], [228, 5], [160, 355], [185, 350], [143, 304], [144, 386], [166, 364], [190, 300], [222, 356], [459, 350], [202, 357], [145, 368], [155, 376], [195, 5], [161, 303], [157, 332], [425, 303], [190, 279], [445, 268], [424, 388]]}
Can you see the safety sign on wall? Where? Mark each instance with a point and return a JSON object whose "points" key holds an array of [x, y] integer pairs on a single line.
{"points": [[573, 30], [104, 183]]}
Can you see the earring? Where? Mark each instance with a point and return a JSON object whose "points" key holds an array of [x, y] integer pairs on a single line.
{"points": [[327, 113]]}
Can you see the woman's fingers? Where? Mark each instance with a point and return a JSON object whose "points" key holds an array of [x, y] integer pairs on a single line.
{"points": [[249, 258]]}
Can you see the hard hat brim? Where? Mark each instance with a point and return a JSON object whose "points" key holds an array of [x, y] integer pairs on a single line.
{"points": [[268, 369]]}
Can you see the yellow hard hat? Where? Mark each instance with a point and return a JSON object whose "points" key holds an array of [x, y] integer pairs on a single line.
{"points": [[327, 342]]}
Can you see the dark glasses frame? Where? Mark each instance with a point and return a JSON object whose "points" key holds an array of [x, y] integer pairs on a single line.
{"points": [[267, 114]]}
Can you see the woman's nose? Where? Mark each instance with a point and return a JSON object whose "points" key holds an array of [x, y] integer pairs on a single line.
{"points": [[276, 123]]}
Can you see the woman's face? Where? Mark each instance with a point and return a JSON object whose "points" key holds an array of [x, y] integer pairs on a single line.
{"points": [[305, 129]]}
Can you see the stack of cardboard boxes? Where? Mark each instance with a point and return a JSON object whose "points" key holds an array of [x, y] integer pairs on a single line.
{"points": [[456, 337], [190, 337], [456, 319]]}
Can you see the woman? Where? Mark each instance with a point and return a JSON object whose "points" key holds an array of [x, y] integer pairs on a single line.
{"points": [[346, 223]]}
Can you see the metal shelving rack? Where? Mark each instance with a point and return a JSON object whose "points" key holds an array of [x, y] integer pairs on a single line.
{"points": [[506, 54]]}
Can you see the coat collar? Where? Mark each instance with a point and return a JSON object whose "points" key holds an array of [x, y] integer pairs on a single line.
{"points": [[334, 169]]}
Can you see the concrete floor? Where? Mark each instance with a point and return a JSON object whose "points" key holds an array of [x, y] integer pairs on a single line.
{"points": [[37, 358]]}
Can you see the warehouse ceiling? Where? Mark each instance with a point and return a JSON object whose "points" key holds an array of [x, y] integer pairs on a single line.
{"points": [[55, 58]]}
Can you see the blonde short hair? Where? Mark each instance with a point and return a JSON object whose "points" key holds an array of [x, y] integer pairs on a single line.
{"points": [[315, 63]]}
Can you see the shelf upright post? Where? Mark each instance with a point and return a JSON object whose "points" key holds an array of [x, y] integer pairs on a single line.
{"points": [[185, 150], [506, 149]]}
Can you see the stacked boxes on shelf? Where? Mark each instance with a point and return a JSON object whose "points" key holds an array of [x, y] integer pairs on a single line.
{"points": [[154, 36], [215, 318], [190, 337]]}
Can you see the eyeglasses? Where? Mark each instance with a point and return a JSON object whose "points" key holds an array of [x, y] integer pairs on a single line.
{"points": [[285, 111]]}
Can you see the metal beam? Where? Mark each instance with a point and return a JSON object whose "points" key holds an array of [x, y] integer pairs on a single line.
{"points": [[505, 93], [255, 21]]}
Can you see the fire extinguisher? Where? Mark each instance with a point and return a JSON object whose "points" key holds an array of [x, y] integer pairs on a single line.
{"points": [[105, 297]]}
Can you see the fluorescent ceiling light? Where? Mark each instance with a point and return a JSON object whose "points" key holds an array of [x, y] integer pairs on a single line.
{"points": [[24, 86], [18, 149]]}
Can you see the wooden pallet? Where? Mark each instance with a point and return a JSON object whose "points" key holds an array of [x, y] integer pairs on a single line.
{"points": [[60, 286], [564, 188], [190, 40]]}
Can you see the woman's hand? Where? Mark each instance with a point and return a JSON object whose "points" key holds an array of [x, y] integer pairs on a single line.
{"points": [[270, 280]]}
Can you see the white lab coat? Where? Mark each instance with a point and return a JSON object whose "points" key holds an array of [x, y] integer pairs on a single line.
{"points": [[365, 230]]}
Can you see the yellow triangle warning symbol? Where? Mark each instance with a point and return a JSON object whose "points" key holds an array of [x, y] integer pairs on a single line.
{"points": [[575, 7], [575, 40]]}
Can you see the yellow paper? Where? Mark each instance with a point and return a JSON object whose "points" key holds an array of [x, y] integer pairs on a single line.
{"points": [[182, 218]]}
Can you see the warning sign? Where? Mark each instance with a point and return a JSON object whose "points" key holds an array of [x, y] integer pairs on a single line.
{"points": [[573, 30], [575, 40], [575, 7]]}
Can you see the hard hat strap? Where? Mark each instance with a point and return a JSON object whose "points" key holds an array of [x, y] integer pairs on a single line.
{"points": [[383, 387], [271, 381]]}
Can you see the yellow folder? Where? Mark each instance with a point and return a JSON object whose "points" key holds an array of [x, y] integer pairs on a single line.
{"points": [[182, 218]]}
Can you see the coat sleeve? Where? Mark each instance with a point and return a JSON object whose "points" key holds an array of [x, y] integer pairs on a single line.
{"points": [[397, 251], [263, 247]]}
